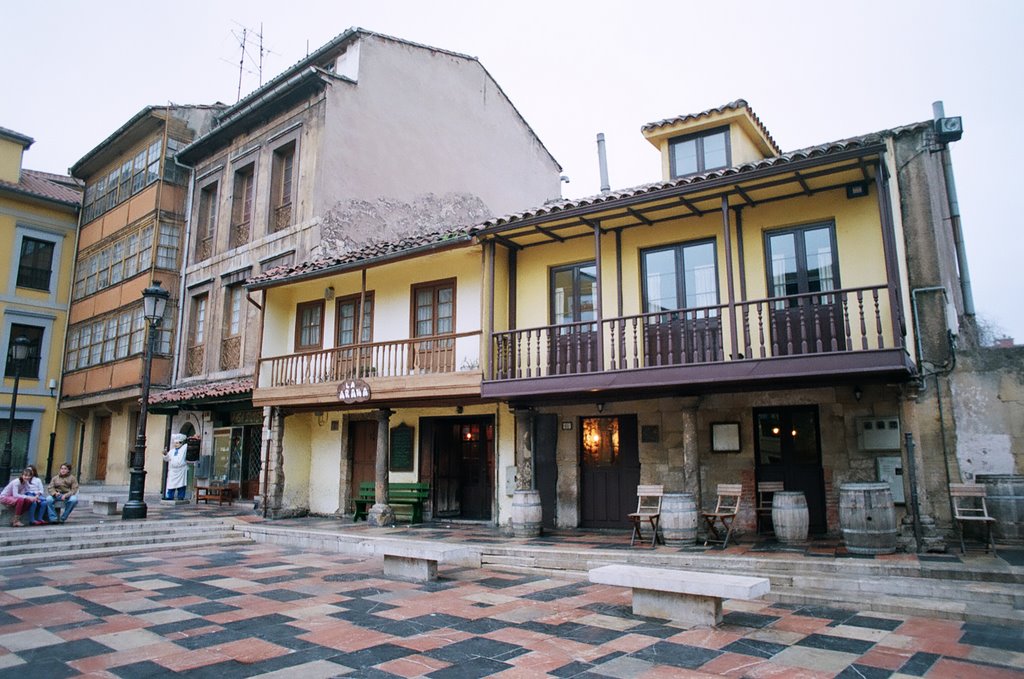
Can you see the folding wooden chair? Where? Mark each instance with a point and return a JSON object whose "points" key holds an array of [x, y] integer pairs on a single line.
{"points": [[765, 495], [969, 505], [648, 508], [726, 509]]}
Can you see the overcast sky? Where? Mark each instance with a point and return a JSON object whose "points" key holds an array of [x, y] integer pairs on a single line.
{"points": [[73, 72]]}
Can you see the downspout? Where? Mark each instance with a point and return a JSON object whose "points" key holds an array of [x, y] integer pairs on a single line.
{"points": [[602, 162], [598, 303], [181, 279], [63, 351], [954, 218], [730, 283], [492, 251]]}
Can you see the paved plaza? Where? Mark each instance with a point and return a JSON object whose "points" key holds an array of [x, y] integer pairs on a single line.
{"points": [[263, 610]]}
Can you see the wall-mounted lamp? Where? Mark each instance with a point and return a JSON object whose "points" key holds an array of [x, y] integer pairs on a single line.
{"points": [[857, 190], [329, 292], [52, 386], [600, 407], [321, 418], [857, 393], [458, 409]]}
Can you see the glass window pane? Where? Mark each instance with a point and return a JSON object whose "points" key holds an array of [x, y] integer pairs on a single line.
{"points": [[684, 157], [818, 248], [700, 281], [714, 151], [660, 281]]}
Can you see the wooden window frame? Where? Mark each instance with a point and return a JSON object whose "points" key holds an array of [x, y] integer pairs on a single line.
{"points": [[30, 274], [299, 309], [358, 327], [282, 183], [435, 285], [197, 328]]}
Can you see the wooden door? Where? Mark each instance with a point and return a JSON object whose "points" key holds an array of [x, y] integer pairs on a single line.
{"points": [[609, 470], [363, 444], [545, 463], [102, 448], [788, 449], [463, 454], [252, 462], [447, 470], [572, 345]]}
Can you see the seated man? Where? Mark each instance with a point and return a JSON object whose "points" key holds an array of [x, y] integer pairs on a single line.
{"points": [[64, 487]]}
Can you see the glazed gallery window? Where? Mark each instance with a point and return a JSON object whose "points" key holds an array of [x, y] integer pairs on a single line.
{"points": [[346, 320], [282, 174], [114, 337], [802, 260], [130, 175], [693, 153], [309, 326], [123, 259], [681, 276], [29, 364], [35, 263]]}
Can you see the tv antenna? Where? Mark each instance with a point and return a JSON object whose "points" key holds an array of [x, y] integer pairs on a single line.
{"points": [[250, 41]]}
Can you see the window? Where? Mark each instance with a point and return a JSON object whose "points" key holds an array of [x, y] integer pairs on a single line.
{"points": [[35, 264], [434, 309], [281, 187], [197, 333], [231, 340], [241, 206], [680, 276], [167, 249], [346, 320], [573, 304], [206, 222], [138, 170], [124, 258], [30, 364], [309, 326], [699, 152]]}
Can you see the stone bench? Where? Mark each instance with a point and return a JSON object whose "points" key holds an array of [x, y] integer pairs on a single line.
{"points": [[412, 560], [104, 504], [690, 597]]}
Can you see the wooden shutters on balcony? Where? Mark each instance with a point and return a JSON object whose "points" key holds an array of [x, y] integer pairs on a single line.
{"points": [[433, 324], [802, 262], [282, 174]]}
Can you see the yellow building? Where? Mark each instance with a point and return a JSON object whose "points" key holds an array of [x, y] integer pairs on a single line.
{"points": [[38, 226]]}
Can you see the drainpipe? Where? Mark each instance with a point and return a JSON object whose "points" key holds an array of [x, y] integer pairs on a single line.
{"points": [[954, 218]]}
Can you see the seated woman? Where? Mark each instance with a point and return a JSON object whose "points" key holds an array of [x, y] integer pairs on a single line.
{"points": [[63, 487], [15, 495], [37, 512]]}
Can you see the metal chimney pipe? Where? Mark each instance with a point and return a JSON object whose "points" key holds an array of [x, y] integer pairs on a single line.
{"points": [[966, 291], [602, 161]]}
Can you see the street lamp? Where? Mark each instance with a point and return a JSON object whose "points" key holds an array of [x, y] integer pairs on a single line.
{"points": [[19, 352], [154, 301]]}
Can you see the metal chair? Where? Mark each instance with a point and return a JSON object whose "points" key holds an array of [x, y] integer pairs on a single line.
{"points": [[726, 509], [648, 508], [969, 505], [765, 495]]}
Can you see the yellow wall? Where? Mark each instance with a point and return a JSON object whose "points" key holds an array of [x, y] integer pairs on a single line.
{"points": [[10, 160]]}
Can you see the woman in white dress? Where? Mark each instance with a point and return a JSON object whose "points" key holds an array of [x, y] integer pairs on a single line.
{"points": [[177, 468]]}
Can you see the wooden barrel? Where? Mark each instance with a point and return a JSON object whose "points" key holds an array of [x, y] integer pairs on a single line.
{"points": [[526, 513], [867, 518], [679, 519], [1005, 502], [790, 516]]}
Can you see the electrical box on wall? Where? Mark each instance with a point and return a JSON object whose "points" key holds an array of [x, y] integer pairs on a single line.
{"points": [[878, 433], [890, 470]]}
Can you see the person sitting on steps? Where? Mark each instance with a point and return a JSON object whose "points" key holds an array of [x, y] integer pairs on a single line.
{"points": [[64, 487], [16, 495], [37, 512]]}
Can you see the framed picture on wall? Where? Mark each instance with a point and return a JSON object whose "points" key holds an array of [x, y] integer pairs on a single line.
{"points": [[725, 437]]}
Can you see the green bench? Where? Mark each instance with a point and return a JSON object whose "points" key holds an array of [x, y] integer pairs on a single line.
{"points": [[406, 499]]}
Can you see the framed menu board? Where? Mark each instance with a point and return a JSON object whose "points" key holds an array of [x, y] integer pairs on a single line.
{"points": [[401, 448]]}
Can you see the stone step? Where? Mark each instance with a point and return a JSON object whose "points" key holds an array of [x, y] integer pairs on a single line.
{"points": [[232, 539], [71, 530], [110, 540], [989, 613], [1011, 595]]}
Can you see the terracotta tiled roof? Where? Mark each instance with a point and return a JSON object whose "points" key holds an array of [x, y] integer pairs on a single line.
{"points": [[372, 251], [731, 106], [46, 185], [819, 151], [201, 392]]}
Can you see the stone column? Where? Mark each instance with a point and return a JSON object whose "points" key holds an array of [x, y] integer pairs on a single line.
{"points": [[524, 449], [691, 450], [272, 475], [931, 540], [381, 514]]}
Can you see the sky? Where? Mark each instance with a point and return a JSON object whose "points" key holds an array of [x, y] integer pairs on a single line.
{"points": [[72, 72]]}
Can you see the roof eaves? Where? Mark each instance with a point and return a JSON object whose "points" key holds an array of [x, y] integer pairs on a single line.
{"points": [[16, 137], [145, 112]]}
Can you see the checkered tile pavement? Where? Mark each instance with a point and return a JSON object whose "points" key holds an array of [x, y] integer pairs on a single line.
{"points": [[270, 611]]}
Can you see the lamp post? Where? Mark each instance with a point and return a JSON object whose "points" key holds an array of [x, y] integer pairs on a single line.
{"points": [[19, 352], [154, 301]]}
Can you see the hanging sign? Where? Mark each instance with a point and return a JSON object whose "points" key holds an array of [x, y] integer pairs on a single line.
{"points": [[354, 391]]}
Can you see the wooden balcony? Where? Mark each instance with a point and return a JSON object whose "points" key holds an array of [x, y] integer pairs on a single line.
{"points": [[412, 369], [806, 338]]}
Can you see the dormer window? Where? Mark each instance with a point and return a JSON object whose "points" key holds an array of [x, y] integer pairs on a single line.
{"points": [[700, 152]]}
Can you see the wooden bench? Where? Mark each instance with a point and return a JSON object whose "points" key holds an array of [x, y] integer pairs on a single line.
{"points": [[417, 560], [406, 499], [690, 597], [217, 492], [104, 504]]}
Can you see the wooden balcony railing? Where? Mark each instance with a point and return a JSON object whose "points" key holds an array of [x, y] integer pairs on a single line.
{"points": [[852, 319], [400, 358]]}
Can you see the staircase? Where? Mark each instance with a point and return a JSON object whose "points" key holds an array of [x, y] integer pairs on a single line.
{"points": [[75, 540], [986, 590]]}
